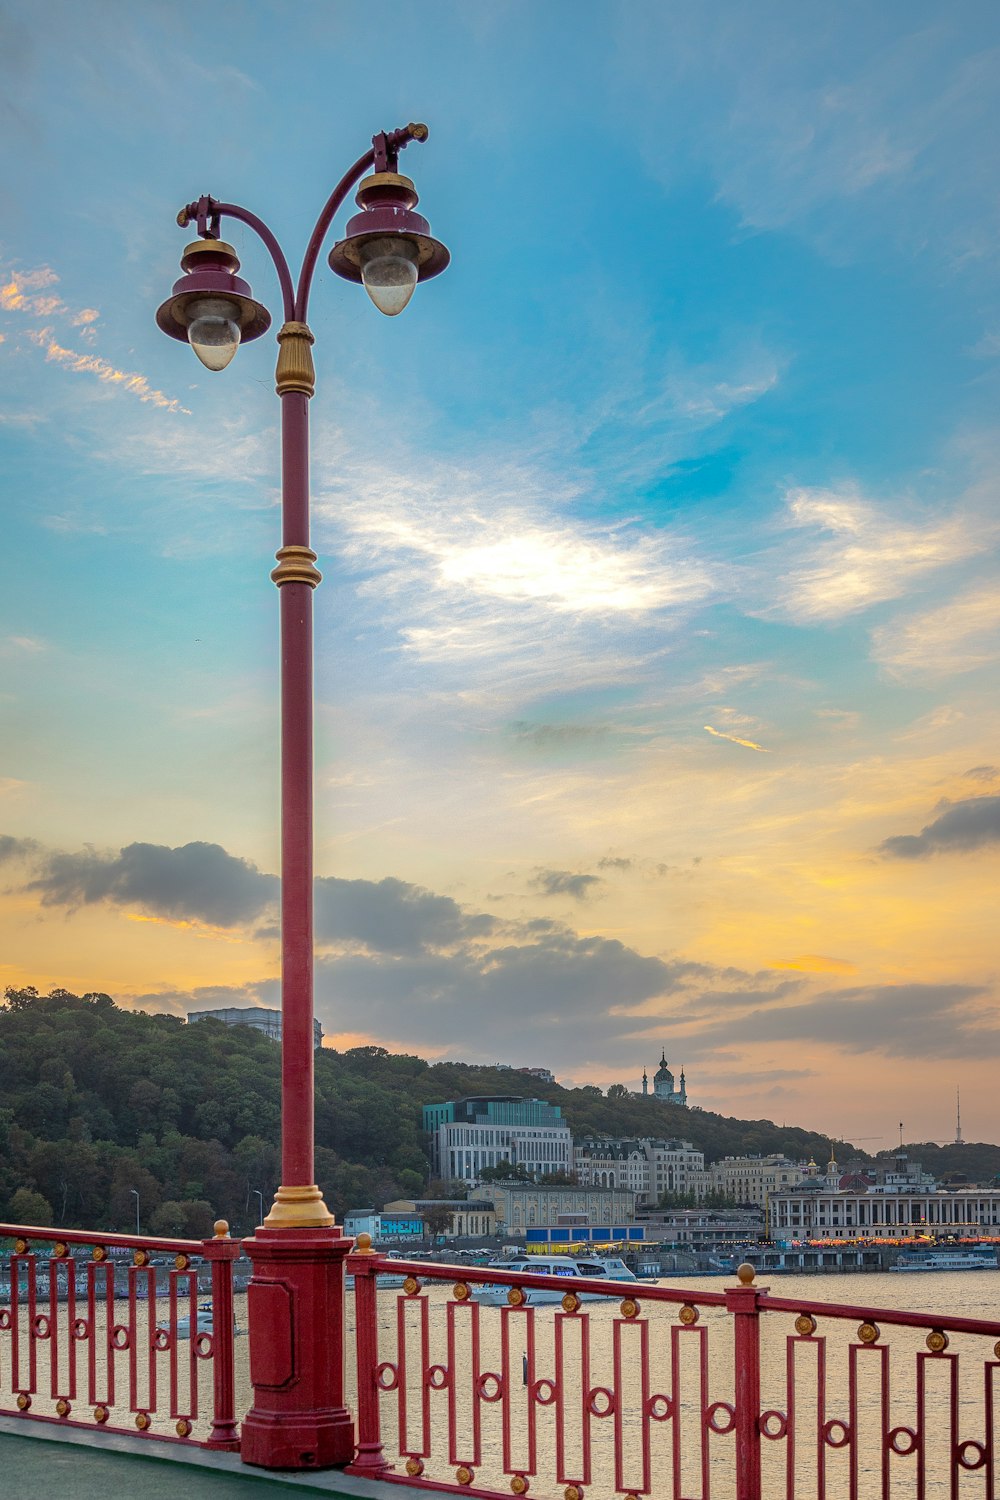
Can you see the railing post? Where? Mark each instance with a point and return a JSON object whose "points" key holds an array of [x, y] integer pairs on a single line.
{"points": [[369, 1459], [221, 1251], [741, 1301]]}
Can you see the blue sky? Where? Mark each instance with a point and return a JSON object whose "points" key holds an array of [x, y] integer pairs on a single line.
{"points": [[657, 645]]}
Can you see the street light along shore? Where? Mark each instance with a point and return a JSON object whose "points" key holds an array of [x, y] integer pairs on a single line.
{"points": [[295, 1306]]}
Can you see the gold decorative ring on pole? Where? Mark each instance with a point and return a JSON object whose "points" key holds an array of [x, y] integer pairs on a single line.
{"points": [[295, 370], [296, 565]]}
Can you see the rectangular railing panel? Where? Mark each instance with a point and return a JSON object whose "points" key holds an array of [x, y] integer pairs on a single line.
{"points": [[674, 1394], [130, 1322]]}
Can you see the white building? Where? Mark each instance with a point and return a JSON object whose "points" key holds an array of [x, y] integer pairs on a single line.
{"points": [[648, 1168], [521, 1206], [255, 1016], [815, 1211], [467, 1135]]}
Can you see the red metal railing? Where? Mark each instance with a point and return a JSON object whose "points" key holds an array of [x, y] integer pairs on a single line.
{"points": [[721, 1400], [119, 1340]]}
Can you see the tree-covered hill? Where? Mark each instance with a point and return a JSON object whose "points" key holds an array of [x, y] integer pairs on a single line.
{"points": [[97, 1103]]}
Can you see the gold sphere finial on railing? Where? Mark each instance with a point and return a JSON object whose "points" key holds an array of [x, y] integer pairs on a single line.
{"points": [[746, 1273], [221, 1229], [363, 1244]]}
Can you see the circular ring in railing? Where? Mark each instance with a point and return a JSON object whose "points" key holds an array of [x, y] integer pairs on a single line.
{"points": [[978, 1451], [41, 1326], [414, 1467], [183, 1428], [543, 1392], [143, 1420], [773, 1424], [181, 1262], [464, 1474], [629, 1308], [204, 1345], [386, 1376], [601, 1401], [411, 1286], [162, 1339], [63, 1407], [910, 1437], [836, 1434], [659, 1408], [5, 1319], [489, 1386], [120, 1337], [437, 1377], [23, 1402], [688, 1315], [20, 1247], [460, 1291], [101, 1414], [99, 1253], [60, 1250], [516, 1296], [572, 1492], [712, 1417], [80, 1328], [868, 1333], [519, 1484], [141, 1258], [937, 1341], [571, 1303], [805, 1324]]}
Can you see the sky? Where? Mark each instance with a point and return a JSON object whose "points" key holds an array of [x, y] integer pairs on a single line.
{"points": [[658, 639]]}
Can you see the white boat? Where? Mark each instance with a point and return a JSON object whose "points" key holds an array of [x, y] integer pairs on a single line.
{"points": [[203, 1322], [564, 1267], [947, 1260], [385, 1281], [608, 1267]]}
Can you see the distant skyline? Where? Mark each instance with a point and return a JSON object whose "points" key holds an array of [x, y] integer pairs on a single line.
{"points": [[658, 640]]}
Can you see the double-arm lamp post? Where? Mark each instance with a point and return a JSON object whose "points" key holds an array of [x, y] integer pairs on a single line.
{"points": [[298, 1418]]}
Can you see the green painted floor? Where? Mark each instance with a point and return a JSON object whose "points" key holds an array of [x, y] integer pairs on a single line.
{"points": [[100, 1470]]}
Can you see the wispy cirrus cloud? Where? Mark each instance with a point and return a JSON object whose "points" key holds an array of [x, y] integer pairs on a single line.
{"points": [[720, 734], [858, 554], [94, 364], [958, 636]]}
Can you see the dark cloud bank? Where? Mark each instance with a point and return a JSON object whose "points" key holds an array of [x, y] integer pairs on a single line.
{"points": [[970, 824]]}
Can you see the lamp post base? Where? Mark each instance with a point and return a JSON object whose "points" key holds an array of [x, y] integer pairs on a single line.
{"points": [[296, 1315]]}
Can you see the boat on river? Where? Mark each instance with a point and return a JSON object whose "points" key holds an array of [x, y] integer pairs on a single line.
{"points": [[947, 1260], [566, 1267]]}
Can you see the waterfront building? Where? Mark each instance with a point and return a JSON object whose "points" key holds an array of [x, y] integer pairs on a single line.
{"points": [[649, 1168], [707, 1229], [664, 1088], [467, 1135], [455, 1218], [256, 1016], [754, 1179], [903, 1203], [523, 1205]]}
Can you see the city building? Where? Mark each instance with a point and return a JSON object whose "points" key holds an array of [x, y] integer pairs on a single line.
{"points": [[467, 1135], [267, 1021], [523, 1205], [648, 1168], [663, 1085], [454, 1218], [707, 1229], [753, 1179], [903, 1202], [544, 1075]]}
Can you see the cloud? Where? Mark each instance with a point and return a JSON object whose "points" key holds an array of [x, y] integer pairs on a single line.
{"points": [[21, 292], [747, 744], [94, 364], [862, 555], [982, 773], [563, 883], [955, 637], [390, 916], [614, 862], [906, 1020], [970, 824]]}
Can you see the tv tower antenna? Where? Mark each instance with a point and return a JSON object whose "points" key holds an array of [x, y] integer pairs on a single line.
{"points": [[958, 1118]]}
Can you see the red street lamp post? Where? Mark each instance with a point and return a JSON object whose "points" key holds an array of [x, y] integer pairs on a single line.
{"points": [[298, 1419]]}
